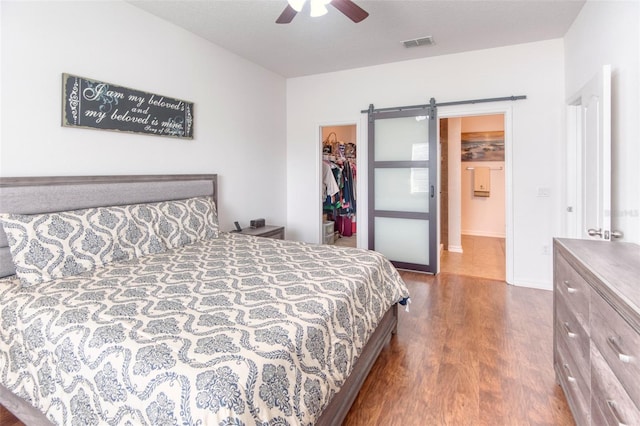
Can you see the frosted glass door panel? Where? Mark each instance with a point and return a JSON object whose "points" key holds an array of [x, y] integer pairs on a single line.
{"points": [[402, 190], [401, 139], [403, 206], [403, 240]]}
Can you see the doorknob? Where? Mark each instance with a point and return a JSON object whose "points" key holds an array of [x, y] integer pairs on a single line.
{"points": [[598, 233], [594, 233]]}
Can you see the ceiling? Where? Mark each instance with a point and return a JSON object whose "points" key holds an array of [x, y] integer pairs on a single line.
{"points": [[333, 42]]}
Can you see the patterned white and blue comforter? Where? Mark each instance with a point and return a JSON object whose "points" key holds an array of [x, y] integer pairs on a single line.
{"points": [[229, 331]]}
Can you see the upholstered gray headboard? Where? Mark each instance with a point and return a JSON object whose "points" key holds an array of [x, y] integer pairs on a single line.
{"points": [[30, 195]]}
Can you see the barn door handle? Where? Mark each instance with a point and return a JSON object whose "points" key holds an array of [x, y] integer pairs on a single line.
{"points": [[433, 191]]}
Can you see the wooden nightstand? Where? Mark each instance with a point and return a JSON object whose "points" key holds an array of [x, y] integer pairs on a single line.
{"points": [[267, 231]]}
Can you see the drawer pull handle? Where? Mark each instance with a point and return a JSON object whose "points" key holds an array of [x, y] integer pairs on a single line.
{"points": [[616, 348], [569, 288], [570, 377], [567, 329], [612, 408]]}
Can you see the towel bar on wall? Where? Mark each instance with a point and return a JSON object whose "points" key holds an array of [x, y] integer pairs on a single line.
{"points": [[493, 168]]}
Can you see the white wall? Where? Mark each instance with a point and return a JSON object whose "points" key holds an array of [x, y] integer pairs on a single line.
{"points": [[455, 185], [608, 32], [483, 123], [483, 216], [534, 69], [240, 112]]}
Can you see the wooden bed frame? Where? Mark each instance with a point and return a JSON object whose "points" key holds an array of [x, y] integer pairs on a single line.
{"points": [[30, 195]]}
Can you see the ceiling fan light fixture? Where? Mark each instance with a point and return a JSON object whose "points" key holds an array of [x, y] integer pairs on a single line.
{"points": [[318, 8], [296, 5]]}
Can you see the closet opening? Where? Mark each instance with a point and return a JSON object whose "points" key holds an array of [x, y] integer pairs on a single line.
{"points": [[338, 176], [473, 228]]}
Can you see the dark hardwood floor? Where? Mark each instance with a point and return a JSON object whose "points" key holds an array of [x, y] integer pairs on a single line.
{"points": [[471, 351], [8, 419]]}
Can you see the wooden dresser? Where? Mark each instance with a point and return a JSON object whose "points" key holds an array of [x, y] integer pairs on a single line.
{"points": [[596, 341]]}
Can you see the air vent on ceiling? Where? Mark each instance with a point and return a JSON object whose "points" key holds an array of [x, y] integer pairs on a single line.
{"points": [[422, 41]]}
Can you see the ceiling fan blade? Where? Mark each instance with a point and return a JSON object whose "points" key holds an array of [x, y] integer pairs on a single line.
{"points": [[287, 15], [350, 9]]}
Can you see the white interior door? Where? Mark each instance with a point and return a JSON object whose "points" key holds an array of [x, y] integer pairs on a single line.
{"points": [[588, 165]]}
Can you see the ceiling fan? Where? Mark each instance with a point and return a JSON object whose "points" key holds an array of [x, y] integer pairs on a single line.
{"points": [[318, 8]]}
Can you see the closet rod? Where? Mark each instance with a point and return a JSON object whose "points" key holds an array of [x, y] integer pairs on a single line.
{"points": [[472, 101]]}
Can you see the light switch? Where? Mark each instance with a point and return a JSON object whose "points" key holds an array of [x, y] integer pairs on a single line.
{"points": [[543, 191]]}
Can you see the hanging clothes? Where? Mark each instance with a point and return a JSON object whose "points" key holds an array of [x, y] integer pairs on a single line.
{"points": [[332, 178], [348, 190], [330, 186], [339, 207]]}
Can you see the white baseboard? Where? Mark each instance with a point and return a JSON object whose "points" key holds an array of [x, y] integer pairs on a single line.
{"points": [[539, 285], [455, 249], [484, 234]]}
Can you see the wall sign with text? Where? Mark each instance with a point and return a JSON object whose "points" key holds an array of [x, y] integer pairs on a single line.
{"points": [[98, 105]]}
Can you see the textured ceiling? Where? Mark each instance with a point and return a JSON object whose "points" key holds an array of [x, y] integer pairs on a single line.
{"points": [[333, 42]]}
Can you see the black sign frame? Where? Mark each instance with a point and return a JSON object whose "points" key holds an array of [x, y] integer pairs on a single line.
{"points": [[93, 104]]}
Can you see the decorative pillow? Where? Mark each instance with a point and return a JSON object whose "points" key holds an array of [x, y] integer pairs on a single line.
{"points": [[186, 221], [56, 245], [205, 208], [146, 216]]}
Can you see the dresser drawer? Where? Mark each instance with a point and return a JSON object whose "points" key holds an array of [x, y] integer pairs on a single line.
{"points": [[618, 343], [610, 403], [574, 288], [575, 380], [596, 285], [569, 329]]}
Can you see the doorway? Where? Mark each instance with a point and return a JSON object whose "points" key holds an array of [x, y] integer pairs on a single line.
{"points": [[473, 229], [588, 161], [339, 175]]}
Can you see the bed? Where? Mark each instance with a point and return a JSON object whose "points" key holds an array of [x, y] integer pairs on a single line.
{"points": [[167, 319]]}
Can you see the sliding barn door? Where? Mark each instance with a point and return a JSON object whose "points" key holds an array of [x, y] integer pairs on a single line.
{"points": [[403, 158]]}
